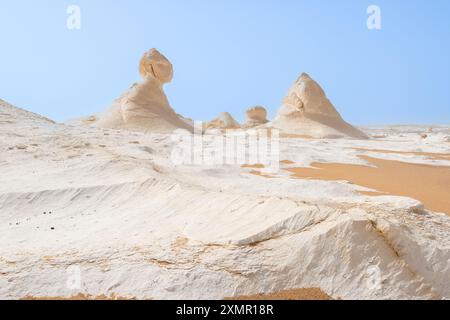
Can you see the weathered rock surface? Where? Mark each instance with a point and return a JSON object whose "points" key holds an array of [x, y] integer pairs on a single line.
{"points": [[144, 107], [256, 116], [110, 207], [307, 111], [223, 121]]}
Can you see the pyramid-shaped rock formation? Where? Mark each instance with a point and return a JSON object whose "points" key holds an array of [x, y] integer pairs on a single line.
{"points": [[307, 111], [223, 121]]}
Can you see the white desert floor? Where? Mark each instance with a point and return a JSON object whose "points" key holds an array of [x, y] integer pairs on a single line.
{"points": [[112, 204]]}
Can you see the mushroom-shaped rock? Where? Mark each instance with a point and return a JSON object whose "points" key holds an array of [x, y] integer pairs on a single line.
{"points": [[154, 64], [256, 116], [145, 107]]}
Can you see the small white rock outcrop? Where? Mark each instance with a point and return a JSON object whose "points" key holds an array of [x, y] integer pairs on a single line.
{"points": [[256, 116], [223, 121]]}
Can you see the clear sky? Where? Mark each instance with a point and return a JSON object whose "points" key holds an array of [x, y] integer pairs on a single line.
{"points": [[230, 55]]}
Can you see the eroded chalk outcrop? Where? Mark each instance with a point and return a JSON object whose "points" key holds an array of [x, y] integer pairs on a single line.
{"points": [[143, 107], [306, 110]]}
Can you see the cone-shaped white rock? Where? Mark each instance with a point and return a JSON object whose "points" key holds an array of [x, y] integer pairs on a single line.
{"points": [[224, 121], [144, 107], [307, 111], [256, 116]]}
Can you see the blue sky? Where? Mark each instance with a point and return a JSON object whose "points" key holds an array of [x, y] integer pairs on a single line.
{"points": [[230, 55]]}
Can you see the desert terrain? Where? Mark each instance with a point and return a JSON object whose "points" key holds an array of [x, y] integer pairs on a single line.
{"points": [[357, 213]]}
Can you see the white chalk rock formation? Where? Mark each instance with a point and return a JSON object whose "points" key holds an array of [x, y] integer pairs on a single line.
{"points": [[144, 107], [256, 116], [223, 121], [307, 111], [115, 208]]}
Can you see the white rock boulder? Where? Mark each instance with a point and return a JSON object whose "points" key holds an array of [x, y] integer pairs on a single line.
{"points": [[256, 116]]}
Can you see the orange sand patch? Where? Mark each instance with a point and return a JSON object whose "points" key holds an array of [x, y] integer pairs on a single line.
{"points": [[259, 173], [294, 294], [79, 297], [434, 156], [253, 166], [426, 183], [256, 172], [373, 193], [288, 162]]}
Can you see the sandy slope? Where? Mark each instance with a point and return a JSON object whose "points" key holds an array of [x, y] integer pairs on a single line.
{"points": [[111, 203]]}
